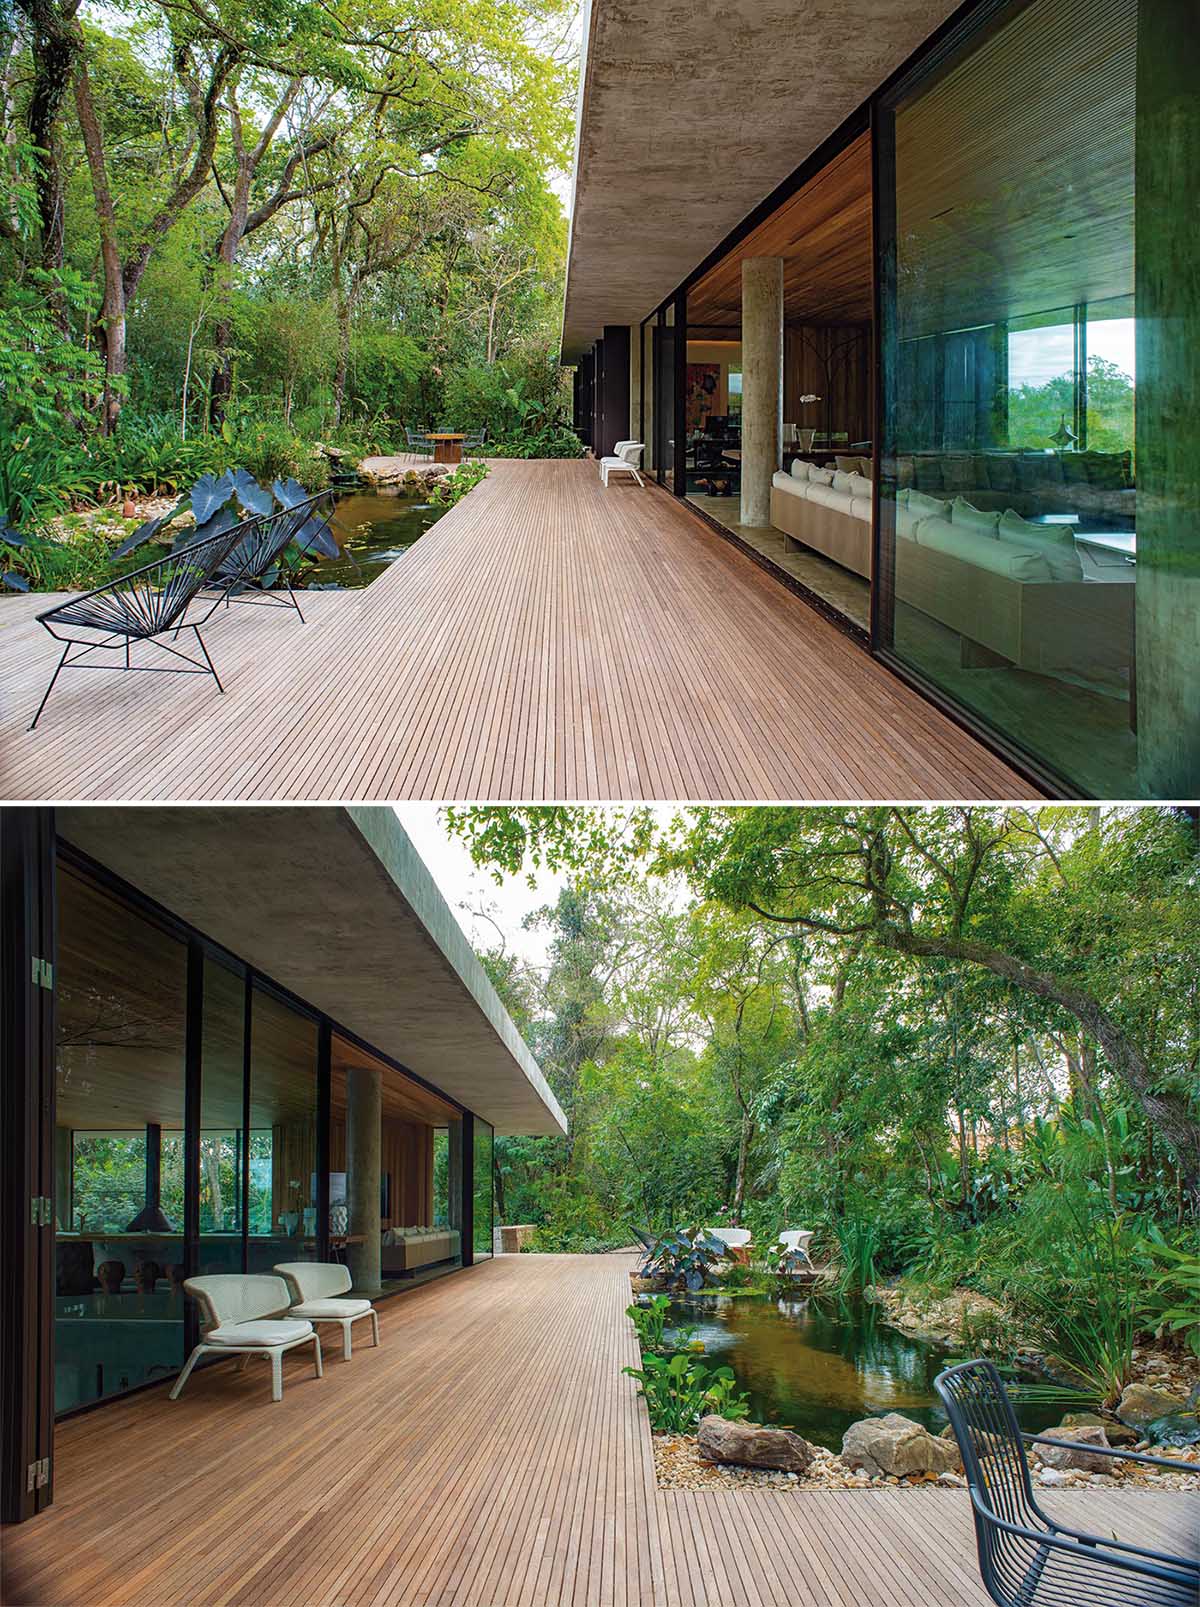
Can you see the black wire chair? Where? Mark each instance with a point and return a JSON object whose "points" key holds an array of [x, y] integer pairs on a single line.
{"points": [[1027, 1557], [260, 556], [143, 606]]}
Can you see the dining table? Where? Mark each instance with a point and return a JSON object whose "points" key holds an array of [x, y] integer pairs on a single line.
{"points": [[447, 446]]}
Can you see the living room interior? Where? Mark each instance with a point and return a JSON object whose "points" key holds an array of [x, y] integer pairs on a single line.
{"points": [[823, 235]]}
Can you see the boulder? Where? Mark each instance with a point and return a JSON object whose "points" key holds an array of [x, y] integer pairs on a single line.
{"points": [[1118, 1433], [896, 1445], [752, 1445], [1141, 1405], [1081, 1434], [1052, 1478], [1177, 1428]]}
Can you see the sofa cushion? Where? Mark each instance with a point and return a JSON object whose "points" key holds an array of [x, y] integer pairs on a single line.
{"points": [[800, 468], [819, 476], [841, 481], [965, 513], [922, 506], [829, 497], [927, 474], [852, 465], [981, 551], [1054, 543], [958, 472], [860, 507], [280, 1332], [1001, 471], [860, 485], [789, 483]]}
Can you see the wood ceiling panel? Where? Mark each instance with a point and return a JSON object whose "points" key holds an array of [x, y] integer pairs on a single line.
{"points": [[1015, 171], [823, 234]]}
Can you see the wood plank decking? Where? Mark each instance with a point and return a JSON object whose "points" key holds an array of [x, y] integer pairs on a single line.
{"points": [[547, 639], [489, 1453]]}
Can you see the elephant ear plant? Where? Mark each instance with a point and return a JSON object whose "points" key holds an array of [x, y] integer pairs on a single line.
{"points": [[679, 1390], [684, 1258]]}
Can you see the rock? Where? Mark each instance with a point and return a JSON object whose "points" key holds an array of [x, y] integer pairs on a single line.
{"points": [[1141, 1405], [895, 1444], [1118, 1433], [1054, 1478], [752, 1445], [1176, 1428], [1083, 1434], [952, 1481]]}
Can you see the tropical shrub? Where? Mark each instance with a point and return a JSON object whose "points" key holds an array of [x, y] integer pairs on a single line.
{"points": [[684, 1258], [679, 1390], [454, 487], [1172, 1306], [550, 441]]}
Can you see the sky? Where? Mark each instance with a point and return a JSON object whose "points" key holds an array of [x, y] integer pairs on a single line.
{"points": [[1038, 355], [467, 889]]}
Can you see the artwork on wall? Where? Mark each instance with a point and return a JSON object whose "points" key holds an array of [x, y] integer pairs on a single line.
{"points": [[703, 393]]}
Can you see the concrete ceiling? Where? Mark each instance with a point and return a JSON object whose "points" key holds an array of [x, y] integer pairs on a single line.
{"points": [[689, 116], [337, 906]]}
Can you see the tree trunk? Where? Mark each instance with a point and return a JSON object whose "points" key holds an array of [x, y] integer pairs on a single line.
{"points": [[739, 1181], [54, 47], [112, 321], [1166, 1110]]}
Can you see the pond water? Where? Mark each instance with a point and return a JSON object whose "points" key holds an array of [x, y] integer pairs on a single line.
{"points": [[818, 1365], [374, 529]]}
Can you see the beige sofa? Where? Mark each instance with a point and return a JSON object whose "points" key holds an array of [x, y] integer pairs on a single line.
{"points": [[1014, 592], [407, 1250]]}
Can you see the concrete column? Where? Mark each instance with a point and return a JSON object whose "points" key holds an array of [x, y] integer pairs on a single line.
{"points": [[1168, 383], [762, 385], [364, 1137]]}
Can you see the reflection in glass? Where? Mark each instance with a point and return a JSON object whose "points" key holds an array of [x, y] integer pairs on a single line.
{"points": [[118, 1147], [222, 1136], [1009, 467], [282, 1218], [481, 1222]]}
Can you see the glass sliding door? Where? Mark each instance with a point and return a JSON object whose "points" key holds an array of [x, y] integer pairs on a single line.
{"points": [[481, 1219], [664, 397], [223, 1133], [1024, 551], [282, 1206], [119, 1146]]}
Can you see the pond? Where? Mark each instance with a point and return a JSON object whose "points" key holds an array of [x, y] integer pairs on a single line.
{"points": [[374, 528], [818, 1365]]}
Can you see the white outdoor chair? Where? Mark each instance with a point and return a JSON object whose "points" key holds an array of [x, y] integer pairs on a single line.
{"points": [[797, 1239], [315, 1287], [239, 1316], [732, 1238], [626, 460]]}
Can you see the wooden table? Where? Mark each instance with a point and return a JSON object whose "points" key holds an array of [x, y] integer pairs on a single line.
{"points": [[447, 447]]}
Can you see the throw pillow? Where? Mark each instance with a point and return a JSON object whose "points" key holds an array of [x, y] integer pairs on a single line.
{"points": [[965, 513], [800, 468], [841, 481], [860, 485], [925, 507], [1053, 543], [819, 476]]}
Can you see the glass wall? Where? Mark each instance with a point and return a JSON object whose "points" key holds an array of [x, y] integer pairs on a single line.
{"points": [[121, 985], [664, 398], [1012, 455], [482, 1223], [222, 1129], [282, 1213]]}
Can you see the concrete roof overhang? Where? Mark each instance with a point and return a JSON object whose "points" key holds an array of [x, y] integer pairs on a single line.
{"points": [[337, 906], [689, 116]]}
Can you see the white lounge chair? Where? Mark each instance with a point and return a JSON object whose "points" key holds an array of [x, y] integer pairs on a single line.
{"points": [[245, 1314], [797, 1239], [626, 460], [736, 1241], [315, 1288]]}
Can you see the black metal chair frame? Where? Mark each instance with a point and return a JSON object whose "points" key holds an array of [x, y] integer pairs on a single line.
{"points": [[148, 603], [263, 543], [1027, 1557]]}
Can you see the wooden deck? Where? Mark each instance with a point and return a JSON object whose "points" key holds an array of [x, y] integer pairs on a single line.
{"points": [[490, 1453], [547, 639]]}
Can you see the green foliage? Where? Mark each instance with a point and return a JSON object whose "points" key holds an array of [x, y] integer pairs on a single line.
{"points": [[679, 1390], [454, 487], [684, 1258], [858, 1241], [649, 1318], [1173, 1303], [1036, 411]]}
